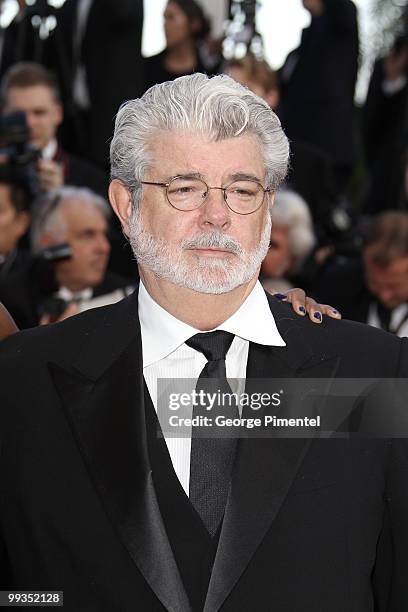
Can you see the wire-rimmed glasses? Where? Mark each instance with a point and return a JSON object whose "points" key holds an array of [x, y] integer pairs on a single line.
{"points": [[243, 196]]}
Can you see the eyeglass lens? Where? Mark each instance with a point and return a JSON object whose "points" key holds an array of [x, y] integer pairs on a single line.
{"points": [[243, 196]]}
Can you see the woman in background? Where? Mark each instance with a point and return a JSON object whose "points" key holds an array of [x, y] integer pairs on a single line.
{"points": [[186, 29]]}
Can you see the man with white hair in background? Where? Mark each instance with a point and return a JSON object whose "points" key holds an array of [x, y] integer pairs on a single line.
{"points": [[123, 516], [292, 240], [71, 252]]}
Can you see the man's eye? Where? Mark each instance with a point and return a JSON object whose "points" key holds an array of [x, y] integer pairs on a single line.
{"points": [[242, 193], [185, 189]]}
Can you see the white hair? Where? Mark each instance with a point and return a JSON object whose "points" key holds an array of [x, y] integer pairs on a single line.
{"points": [[48, 210], [291, 211], [217, 107]]}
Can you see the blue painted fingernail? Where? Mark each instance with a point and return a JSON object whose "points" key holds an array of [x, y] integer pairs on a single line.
{"points": [[317, 315], [302, 309], [280, 296], [335, 311]]}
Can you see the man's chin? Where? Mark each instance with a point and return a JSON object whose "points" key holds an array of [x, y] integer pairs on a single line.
{"points": [[208, 280]]}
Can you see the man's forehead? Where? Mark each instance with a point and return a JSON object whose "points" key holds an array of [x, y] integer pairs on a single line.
{"points": [[188, 152], [81, 211], [31, 94], [396, 267]]}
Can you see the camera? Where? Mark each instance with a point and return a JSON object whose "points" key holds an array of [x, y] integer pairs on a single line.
{"points": [[16, 152]]}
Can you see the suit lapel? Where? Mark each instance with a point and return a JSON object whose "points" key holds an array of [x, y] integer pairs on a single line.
{"points": [[264, 467], [102, 396]]}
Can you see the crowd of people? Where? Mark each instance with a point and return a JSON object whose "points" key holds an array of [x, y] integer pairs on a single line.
{"points": [[59, 98]]}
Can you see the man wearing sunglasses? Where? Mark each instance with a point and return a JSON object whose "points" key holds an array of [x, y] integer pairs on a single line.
{"points": [[101, 498]]}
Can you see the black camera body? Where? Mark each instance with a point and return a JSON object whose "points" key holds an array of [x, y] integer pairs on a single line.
{"points": [[16, 151]]}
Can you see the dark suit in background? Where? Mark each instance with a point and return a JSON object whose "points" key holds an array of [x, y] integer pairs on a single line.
{"points": [[111, 55], [82, 173], [311, 176], [318, 81], [385, 125], [27, 292], [90, 502], [21, 42], [343, 283]]}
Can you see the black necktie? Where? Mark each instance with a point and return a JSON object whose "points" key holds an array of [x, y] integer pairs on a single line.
{"points": [[212, 457], [384, 315]]}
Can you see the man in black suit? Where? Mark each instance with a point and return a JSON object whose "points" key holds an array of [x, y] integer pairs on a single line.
{"points": [[373, 289], [122, 517], [102, 67], [29, 88], [20, 40], [71, 223], [318, 81]]}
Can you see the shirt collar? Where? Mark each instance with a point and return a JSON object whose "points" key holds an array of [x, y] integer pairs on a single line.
{"points": [[70, 296], [162, 333], [50, 150]]}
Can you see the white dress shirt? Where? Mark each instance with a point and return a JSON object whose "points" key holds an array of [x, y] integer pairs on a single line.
{"points": [[398, 321], [50, 150], [165, 354]]}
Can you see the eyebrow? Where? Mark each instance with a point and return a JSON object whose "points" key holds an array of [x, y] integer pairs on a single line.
{"points": [[186, 175], [244, 176], [236, 176]]}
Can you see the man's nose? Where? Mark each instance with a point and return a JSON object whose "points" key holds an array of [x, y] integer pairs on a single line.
{"points": [[215, 211], [30, 118]]}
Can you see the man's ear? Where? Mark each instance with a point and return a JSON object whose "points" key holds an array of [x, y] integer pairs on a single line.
{"points": [[121, 202], [272, 195]]}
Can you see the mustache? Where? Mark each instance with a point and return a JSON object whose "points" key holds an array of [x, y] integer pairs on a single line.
{"points": [[217, 240]]}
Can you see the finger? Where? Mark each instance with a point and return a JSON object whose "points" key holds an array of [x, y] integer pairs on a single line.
{"points": [[313, 310], [297, 297], [316, 310], [330, 311]]}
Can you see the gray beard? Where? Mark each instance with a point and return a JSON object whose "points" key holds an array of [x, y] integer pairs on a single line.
{"points": [[201, 274]]}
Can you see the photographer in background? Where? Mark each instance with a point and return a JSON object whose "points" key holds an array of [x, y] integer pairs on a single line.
{"points": [[70, 256], [374, 288], [31, 89], [15, 202]]}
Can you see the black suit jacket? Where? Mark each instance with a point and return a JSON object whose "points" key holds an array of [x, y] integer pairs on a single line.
{"points": [[21, 42], [81, 173], [317, 98], [26, 292], [385, 122], [309, 524], [111, 54]]}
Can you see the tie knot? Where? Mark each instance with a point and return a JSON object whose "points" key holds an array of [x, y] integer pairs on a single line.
{"points": [[214, 345]]}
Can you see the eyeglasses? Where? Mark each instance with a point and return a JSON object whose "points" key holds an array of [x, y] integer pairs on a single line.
{"points": [[243, 197]]}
